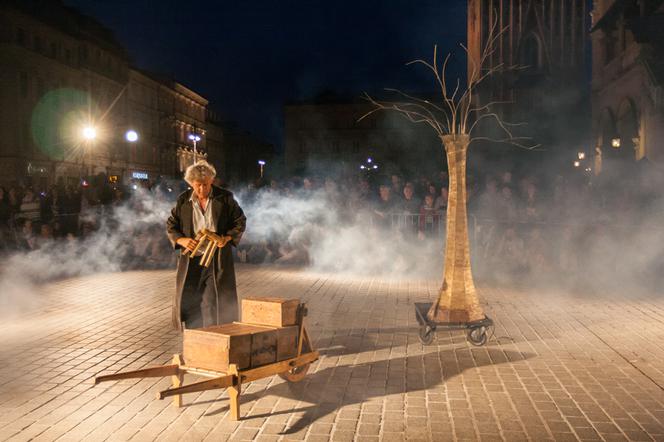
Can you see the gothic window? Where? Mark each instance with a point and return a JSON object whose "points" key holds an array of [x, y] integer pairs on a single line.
{"points": [[24, 84], [531, 53]]}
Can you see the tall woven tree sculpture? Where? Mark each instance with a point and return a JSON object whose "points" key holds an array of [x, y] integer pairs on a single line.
{"points": [[453, 117]]}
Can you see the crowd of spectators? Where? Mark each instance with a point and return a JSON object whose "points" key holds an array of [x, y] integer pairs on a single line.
{"points": [[520, 228], [66, 216]]}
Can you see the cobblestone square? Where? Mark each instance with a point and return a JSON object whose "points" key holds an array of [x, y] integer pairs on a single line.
{"points": [[559, 367]]}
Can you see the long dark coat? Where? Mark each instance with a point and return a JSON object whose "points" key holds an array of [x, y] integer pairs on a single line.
{"points": [[230, 220]]}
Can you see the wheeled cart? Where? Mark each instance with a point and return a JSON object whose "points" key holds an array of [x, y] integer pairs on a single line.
{"points": [[476, 330], [292, 369]]}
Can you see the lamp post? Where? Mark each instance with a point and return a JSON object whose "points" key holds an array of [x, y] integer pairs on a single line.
{"points": [[90, 134], [261, 163], [369, 165], [195, 138]]}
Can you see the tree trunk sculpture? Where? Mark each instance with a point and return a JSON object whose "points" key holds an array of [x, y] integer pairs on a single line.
{"points": [[457, 300]]}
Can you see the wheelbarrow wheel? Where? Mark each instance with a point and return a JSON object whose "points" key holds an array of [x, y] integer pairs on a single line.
{"points": [[295, 374], [477, 335], [426, 334]]}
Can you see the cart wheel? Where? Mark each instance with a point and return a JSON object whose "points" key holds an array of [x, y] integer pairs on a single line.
{"points": [[426, 334], [477, 335], [295, 374]]}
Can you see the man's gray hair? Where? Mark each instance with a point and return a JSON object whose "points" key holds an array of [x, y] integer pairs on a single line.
{"points": [[199, 171]]}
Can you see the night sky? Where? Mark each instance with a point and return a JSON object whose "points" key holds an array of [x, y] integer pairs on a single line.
{"points": [[250, 57]]}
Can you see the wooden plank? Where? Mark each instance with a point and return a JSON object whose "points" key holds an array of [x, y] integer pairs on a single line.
{"points": [[177, 379], [152, 372], [276, 312], [234, 392], [254, 374], [210, 384]]}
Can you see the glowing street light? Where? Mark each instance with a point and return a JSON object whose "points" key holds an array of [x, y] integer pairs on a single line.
{"points": [[582, 155], [261, 163], [131, 136], [195, 138], [615, 143], [369, 165], [577, 163], [89, 133]]}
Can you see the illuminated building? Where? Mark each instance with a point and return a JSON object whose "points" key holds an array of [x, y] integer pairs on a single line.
{"points": [[628, 74]]}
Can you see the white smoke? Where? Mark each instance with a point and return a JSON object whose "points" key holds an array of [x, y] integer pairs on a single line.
{"points": [[105, 250]]}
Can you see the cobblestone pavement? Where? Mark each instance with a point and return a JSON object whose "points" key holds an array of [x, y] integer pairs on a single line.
{"points": [[559, 367]]}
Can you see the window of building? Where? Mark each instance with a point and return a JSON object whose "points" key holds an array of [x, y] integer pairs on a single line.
{"points": [[610, 42], [23, 80], [41, 88], [21, 37], [531, 53], [38, 44]]}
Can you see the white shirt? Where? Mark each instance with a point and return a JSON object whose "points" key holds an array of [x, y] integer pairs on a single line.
{"points": [[202, 218]]}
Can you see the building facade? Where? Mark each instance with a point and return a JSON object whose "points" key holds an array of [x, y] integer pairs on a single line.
{"points": [[327, 131], [242, 153], [627, 79], [62, 72], [542, 47]]}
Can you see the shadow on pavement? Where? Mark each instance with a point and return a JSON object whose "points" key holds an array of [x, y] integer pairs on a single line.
{"points": [[333, 387]]}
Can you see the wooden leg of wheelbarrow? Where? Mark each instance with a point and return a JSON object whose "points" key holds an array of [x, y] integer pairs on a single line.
{"points": [[234, 392], [177, 380]]}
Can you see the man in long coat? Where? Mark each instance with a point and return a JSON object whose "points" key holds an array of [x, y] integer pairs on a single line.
{"points": [[204, 296]]}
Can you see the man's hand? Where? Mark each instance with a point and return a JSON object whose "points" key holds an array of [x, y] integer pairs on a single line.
{"points": [[224, 240], [188, 243]]}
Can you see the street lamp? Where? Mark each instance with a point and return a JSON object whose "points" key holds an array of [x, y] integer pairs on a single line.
{"points": [[195, 138], [131, 136], [582, 155], [261, 163], [89, 133], [369, 165], [615, 143]]}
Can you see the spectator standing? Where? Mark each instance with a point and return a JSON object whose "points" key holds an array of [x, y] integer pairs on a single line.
{"points": [[29, 206], [441, 201], [429, 219], [384, 206]]}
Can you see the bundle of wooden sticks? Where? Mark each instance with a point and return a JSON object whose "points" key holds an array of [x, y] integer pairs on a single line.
{"points": [[209, 242]]}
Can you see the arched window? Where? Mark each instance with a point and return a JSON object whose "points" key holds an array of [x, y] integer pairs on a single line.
{"points": [[531, 52]]}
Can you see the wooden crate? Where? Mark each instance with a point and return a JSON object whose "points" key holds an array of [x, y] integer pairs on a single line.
{"points": [[248, 346], [275, 312]]}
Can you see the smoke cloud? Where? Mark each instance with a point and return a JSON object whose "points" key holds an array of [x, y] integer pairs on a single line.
{"points": [[108, 249], [585, 238]]}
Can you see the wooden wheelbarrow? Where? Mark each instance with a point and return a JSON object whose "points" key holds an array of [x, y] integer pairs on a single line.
{"points": [[293, 369]]}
